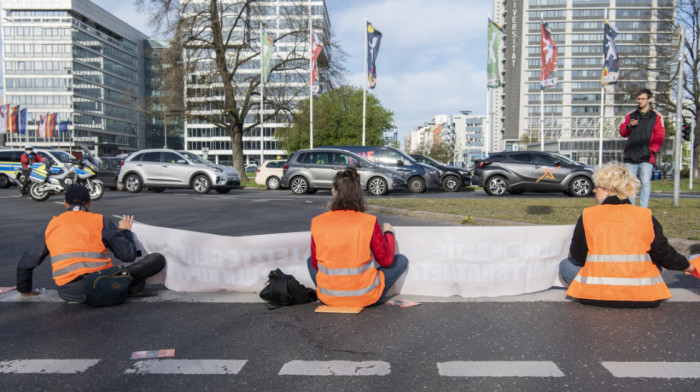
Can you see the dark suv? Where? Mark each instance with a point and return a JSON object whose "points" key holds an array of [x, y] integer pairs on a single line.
{"points": [[452, 178], [519, 171]]}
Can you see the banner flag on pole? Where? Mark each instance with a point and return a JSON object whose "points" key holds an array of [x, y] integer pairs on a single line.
{"points": [[611, 63], [41, 129], [266, 48], [548, 54], [62, 126], [316, 48], [374, 38], [493, 75], [4, 118], [51, 118], [23, 121], [13, 128]]}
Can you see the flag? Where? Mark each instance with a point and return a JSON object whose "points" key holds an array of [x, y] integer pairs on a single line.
{"points": [[23, 121], [266, 48], [50, 119], [611, 63], [62, 126], [4, 118], [374, 38], [494, 77], [12, 125], [548, 54], [316, 48], [41, 128]]}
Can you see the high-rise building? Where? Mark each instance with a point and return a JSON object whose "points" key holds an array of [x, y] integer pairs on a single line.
{"points": [[164, 128], [286, 21], [572, 109], [74, 59]]}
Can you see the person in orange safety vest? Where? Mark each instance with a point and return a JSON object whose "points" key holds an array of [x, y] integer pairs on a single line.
{"points": [[352, 259], [77, 243], [618, 249]]}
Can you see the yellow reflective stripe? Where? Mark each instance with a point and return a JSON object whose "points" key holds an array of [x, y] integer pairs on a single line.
{"points": [[347, 271], [619, 281], [84, 255], [617, 258], [77, 266], [350, 293]]}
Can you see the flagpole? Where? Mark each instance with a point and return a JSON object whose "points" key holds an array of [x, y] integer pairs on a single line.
{"points": [[262, 94], [311, 86], [364, 86], [602, 104], [541, 95]]}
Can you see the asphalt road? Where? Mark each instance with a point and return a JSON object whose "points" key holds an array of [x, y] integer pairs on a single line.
{"points": [[233, 342]]}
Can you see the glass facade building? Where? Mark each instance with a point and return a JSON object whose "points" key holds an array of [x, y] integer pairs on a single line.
{"points": [[72, 58]]}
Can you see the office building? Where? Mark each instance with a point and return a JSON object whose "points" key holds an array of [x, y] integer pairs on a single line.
{"points": [[287, 24], [572, 109], [74, 59]]}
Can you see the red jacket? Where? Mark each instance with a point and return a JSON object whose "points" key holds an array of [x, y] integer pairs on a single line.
{"points": [[644, 140], [26, 160]]}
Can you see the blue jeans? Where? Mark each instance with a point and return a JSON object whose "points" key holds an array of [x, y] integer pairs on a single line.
{"points": [[645, 170], [392, 273], [568, 270]]}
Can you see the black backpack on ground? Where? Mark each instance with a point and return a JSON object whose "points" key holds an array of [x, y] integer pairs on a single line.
{"points": [[284, 290]]}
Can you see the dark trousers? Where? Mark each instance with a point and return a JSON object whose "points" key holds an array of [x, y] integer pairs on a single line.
{"points": [[143, 269], [25, 180]]}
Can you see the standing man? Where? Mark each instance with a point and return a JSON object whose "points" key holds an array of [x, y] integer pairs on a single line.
{"points": [[77, 243], [27, 159], [645, 132]]}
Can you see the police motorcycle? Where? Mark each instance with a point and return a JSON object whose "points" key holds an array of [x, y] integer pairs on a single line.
{"points": [[82, 172]]}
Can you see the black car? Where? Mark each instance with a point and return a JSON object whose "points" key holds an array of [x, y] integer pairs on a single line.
{"points": [[109, 171], [452, 178], [519, 171]]}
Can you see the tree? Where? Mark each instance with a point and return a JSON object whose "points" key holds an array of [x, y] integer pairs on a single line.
{"points": [[217, 44], [442, 152], [338, 121]]}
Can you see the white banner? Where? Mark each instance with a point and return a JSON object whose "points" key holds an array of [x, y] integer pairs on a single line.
{"points": [[442, 261]]}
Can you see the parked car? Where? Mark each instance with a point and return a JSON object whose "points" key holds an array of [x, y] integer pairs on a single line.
{"points": [[519, 171], [109, 172], [452, 178], [418, 176], [307, 171], [270, 173], [159, 169]]}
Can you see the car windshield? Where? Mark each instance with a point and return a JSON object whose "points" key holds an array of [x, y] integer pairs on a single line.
{"points": [[195, 158], [63, 156]]}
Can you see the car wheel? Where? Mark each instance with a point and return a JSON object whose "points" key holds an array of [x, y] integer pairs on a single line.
{"points": [[377, 186], [299, 185], [496, 186], [156, 189], [516, 191], [201, 184], [273, 183], [223, 190], [133, 183], [450, 184], [4, 181], [580, 187], [416, 185]]}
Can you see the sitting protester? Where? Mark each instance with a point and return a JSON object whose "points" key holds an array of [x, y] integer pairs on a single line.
{"points": [[352, 259], [77, 242], [618, 249]]}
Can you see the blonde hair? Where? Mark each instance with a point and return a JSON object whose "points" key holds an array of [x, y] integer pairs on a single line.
{"points": [[617, 178]]}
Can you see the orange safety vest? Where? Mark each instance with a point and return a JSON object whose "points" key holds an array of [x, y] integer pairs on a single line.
{"points": [[618, 266], [74, 240], [347, 273]]}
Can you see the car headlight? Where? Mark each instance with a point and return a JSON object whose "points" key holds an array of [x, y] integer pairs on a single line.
{"points": [[463, 172], [216, 169]]}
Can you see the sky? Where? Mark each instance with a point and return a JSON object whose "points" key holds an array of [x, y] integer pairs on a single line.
{"points": [[431, 61]]}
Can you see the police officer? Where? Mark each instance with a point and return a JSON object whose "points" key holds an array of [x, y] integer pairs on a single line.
{"points": [[27, 159]]}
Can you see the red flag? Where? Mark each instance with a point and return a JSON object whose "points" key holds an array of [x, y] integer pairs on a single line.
{"points": [[41, 129], [316, 48], [12, 125], [50, 124], [548, 53]]}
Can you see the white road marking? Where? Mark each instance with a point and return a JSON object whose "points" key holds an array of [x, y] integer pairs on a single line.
{"points": [[654, 369], [335, 368], [62, 366], [499, 369], [187, 366]]}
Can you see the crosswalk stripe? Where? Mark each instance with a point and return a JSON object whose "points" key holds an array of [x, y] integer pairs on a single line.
{"points": [[186, 366], [61, 366], [336, 368], [654, 369], [499, 369]]}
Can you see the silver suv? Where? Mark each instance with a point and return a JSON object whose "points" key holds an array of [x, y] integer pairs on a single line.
{"points": [[158, 169], [307, 171]]}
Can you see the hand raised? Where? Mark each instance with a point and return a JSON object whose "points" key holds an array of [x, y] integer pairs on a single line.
{"points": [[126, 222]]}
